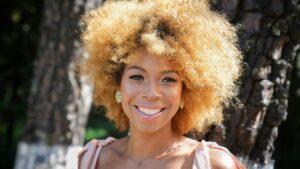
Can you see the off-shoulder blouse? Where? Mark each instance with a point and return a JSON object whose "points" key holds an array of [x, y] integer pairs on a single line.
{"points": [[88, 156]]}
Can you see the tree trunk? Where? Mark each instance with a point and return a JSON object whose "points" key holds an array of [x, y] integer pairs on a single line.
{"points": [[59, 100], [269, 38]]}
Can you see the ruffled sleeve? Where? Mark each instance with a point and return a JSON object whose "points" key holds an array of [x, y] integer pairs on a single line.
{"points": [[202, 160], [88, 156]]}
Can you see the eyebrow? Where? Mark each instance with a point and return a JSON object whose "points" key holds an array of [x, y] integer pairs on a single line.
{"points": [[170, 71], [144, 70], [137, 67]]}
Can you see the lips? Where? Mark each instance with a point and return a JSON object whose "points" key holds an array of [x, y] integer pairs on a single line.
{"points": [[149, 111]]}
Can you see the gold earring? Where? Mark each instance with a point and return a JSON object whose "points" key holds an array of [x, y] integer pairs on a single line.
{"points": [[118, 96], [181, 104]]}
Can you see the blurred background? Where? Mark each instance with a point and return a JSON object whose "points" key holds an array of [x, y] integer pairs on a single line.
{"points": [[19, 36]]}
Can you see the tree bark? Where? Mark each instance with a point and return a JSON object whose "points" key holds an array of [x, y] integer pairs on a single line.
{"points": [[269, 39], [59, 100]]}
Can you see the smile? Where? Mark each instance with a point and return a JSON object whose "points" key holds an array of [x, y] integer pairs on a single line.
{"points": [[149, 111]]}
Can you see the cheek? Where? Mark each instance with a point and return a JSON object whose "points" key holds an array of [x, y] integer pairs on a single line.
{"points": [[126, 95], [174, 95], [128, 91]]}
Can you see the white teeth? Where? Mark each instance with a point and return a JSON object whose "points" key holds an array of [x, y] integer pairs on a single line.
{"points": [[149, 111]]}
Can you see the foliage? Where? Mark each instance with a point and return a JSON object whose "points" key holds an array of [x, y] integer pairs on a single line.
{"points": [[99, 127], [18, 41]]}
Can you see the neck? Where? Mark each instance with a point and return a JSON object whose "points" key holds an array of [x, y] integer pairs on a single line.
{"points": [[143, 145]]}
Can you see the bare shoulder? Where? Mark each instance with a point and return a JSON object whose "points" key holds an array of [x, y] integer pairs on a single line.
{"points": [[190, 142], [188, 146], [221, 160], [110, 153]]}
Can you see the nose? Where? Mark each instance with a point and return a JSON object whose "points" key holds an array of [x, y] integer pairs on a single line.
{"points": [[152, 91]]}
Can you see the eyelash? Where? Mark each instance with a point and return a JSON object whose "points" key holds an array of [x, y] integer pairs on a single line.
{"points": [[136, 77], [169, 80], [140, 77]]}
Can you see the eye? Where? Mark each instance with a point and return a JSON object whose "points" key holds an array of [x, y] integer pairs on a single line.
{"points": [[136, 77], [169, 80]]}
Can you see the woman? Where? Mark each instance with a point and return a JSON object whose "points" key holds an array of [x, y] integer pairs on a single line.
{"points": [[161, 68]]}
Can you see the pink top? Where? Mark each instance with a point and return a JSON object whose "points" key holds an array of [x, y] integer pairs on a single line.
{"points": [[89, 155]]}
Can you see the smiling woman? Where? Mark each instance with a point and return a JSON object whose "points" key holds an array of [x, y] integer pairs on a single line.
{"points": [[161, 70]]}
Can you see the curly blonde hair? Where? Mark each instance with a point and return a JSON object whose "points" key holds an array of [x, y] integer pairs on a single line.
{"points": [[201, 42]]}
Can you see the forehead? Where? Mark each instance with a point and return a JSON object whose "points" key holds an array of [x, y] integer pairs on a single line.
{"points": [[145, 59]]}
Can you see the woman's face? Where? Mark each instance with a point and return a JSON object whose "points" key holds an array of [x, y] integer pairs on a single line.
{"points": [[151, 92]]}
